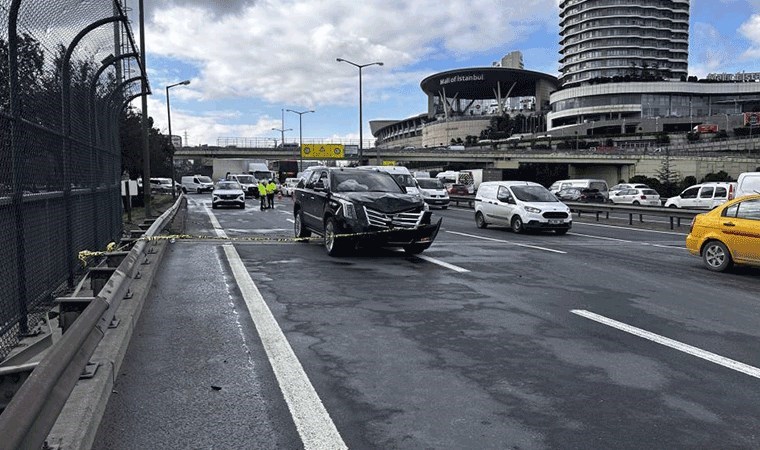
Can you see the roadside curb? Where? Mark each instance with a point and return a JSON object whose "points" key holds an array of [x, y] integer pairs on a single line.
{"points": [[78, 422]]}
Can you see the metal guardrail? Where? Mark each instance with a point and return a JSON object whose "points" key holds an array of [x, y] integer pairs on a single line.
{"points": [[33, 411], [674, 214]]}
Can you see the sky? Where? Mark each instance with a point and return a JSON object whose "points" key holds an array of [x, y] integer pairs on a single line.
{"points": [[248, 60]]}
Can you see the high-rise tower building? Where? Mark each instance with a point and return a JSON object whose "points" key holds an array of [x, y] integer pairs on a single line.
{"points": [[639, 39]]}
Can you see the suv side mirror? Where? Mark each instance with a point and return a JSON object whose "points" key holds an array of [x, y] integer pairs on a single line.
{"points": [[505, 199]]}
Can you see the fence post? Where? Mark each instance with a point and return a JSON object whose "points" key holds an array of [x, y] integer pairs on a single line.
{"points": [[16, 161]]}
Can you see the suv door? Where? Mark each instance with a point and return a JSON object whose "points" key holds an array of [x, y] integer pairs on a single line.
{"points": [[720, 197], [503, 210], [741, 229], [314, 206]]}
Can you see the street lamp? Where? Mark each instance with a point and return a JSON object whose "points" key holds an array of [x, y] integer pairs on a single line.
{"points": [[360, 67], [171, 140], [300, 134]]}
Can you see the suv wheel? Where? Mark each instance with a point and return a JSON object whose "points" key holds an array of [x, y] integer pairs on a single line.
{"points": [[517, 225], [333, 244], [300, 230], [480, 221], [636, 203], [716, 256]]}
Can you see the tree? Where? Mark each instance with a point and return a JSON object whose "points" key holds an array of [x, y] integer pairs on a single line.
{"points": [[132, 147], [668, 177], [720, 176]]}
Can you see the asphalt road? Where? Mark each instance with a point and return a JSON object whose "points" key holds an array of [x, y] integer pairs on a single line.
{"points": [[607, 337]]}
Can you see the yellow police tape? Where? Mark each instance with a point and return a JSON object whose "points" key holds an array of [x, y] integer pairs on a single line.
{"points": [[85, 255]]}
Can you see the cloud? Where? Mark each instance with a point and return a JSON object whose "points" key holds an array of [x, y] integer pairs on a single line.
{"points": [[751, 31], [714, 53], [285, 51]]}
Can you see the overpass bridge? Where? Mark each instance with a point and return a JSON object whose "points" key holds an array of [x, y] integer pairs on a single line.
{"points": [[609, 163]]}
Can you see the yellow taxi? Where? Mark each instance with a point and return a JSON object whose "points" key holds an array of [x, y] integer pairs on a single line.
{"points": [[727, 235]]}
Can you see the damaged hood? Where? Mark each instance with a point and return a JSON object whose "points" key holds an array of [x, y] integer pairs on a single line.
{"points": [[386, 202]]}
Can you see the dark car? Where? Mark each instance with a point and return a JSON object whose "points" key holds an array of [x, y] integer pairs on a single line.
{"points": [[458, 189], [353, 208], [584, 195]]}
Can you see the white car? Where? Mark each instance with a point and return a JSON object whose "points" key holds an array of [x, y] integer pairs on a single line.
{"points": [[636, 197], [623, 186], [228, 193], [433, 192], [704, 196], [289, 187], [521, 205]]}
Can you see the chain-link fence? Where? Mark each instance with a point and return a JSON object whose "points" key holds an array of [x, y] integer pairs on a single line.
{"points": [[67, 70]]}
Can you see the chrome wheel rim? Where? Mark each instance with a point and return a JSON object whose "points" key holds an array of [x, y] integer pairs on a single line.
{"points": [[329, 236], [518, 224], [715, 256], [479, 219]]}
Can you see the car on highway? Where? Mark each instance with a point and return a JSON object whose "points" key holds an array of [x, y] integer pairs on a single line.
{"points": [[748, 183], [703, 196], [583, 195], [521, 205], [228, 193], [289, 186], [248, 183], [727, 235], [623, 186], [197, 183], [636, 197], [459, 189], [354, 208], [433, 192]]}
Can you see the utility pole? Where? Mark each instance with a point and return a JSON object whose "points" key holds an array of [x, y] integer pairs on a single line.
{"points": [[144, 121]]}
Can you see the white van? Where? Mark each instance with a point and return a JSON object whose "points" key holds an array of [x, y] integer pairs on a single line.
{"points": [[401, 174], [703, 196], [197, 183], [248, 183], [433, 192], [521, 205], [599, 185], [748, 183]]}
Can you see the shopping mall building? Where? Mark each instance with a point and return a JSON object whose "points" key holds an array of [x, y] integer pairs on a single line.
{"points": [[623, 69]]}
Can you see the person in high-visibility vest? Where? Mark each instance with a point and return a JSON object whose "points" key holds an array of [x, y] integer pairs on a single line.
{"points": [[263, 194], [271, 189]]}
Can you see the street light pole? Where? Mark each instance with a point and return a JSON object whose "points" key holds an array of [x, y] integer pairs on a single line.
{"points": [[360, 67], [300, 135], [171, 140]]}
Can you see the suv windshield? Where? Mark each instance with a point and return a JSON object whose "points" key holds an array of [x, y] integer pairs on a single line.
{"points": [[430, 183], [362, 181], [597, 185], [247, 179], [204, 179], [533, 194], [228, 185]]}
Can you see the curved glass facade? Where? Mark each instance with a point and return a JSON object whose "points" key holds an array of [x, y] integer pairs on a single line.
{"points": [[617, 38]]}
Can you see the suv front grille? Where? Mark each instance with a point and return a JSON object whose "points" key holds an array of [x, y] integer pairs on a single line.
{"points": [[398, 220], [555, 215]]}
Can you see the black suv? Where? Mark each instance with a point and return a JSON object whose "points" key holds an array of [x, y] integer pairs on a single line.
{"points": [[354, 207]]}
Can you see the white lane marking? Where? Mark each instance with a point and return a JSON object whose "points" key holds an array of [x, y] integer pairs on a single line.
{"points": [[291, 220], [575, 222], [605, 238], [215, 223], [442, 263], [508, 242], [680, 346], [310, 416]]}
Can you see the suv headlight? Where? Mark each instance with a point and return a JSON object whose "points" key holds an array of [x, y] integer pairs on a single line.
{"points": [[533, 210], [349, 212], [425, 207]]}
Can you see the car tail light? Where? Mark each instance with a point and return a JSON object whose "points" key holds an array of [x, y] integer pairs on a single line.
{"points": [[730, 191], [691, 227], [643, 197]]}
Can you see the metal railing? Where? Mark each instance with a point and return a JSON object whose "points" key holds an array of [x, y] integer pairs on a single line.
{"points": [[34, 409], [675, 215]]}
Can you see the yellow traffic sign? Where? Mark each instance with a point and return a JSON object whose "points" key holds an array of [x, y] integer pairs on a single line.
{"points": [[389, 163], [323, 151]]}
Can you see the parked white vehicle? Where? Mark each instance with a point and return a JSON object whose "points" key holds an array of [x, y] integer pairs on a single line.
{"points": [[401, 174], [289, 186], [703, 196], [247, 182], [197, 183], [748, 183], [521, 205], [433, 192], [228, 193], [636, 197]]}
